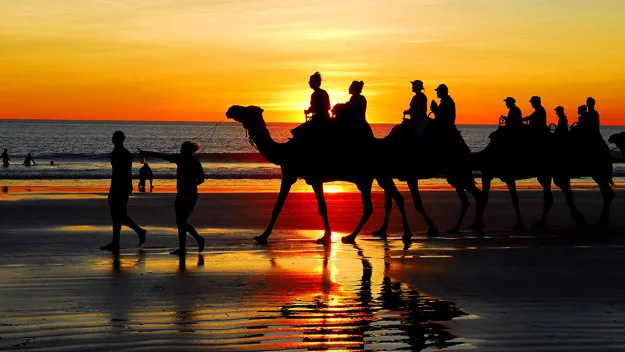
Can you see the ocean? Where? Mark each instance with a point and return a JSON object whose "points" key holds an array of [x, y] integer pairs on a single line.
{"points": [[80, 151]]}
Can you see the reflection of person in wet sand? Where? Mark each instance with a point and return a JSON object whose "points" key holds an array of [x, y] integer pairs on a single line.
{"points": [[121, 187], [189, 175], [5, 158], [29, 161]]}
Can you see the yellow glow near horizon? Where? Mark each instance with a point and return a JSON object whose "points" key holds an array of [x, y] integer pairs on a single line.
{"points": [[189, 60]]}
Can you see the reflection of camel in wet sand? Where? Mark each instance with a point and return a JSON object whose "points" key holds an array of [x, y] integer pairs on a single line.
{"points": [[299, 162], [555, 160]]}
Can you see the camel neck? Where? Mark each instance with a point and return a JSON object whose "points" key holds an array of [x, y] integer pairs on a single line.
{"points": [[267, 147]]}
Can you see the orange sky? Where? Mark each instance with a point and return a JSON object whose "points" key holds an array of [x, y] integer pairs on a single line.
{"points": [[191, 59]]}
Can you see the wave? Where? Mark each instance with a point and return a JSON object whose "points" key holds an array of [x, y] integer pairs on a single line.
{"points": [[207, 157]]}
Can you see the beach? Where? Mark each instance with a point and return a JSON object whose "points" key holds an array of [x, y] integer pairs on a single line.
{"points": [[556, 290]]}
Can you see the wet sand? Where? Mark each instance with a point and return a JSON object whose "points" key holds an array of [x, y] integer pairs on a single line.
{"points": [[561, 290]]}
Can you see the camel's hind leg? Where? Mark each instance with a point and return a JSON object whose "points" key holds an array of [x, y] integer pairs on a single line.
{"points": [[388, 205], [608, 195], [391, 192], [323, 211], [418, 204], [285, 188], [545, 182], [514, 196], [564, 183], [365, 193], [464, 206]]}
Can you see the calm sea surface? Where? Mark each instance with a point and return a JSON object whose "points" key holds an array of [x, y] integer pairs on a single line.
{"points": [[80, 149]]}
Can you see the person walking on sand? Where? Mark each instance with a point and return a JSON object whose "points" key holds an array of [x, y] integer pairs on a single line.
{"points": [[121, 188], [5, 158], [189, 174], [29, 161]]}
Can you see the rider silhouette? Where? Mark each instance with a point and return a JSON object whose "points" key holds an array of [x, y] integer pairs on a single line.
{"points": [[538, 118], [418, 108], [563, 123], [319, 99], [589, 120], [514, 119], [445, 113]]}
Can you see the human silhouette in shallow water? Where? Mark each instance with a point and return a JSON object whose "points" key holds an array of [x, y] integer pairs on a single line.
{"points": [[563, 123], [189, 174], [537, 119], [29, 161], [418, 110], [145, 173], [514, 119], [121, 188], [319, 100], [445, 112], [5, 158]]}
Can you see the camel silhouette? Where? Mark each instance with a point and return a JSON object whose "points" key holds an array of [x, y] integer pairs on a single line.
{"points": [[555, 158], [299, 160], [448, 157]]}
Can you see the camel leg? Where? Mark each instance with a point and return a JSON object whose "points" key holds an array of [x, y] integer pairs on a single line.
{"points": [[545, 182], [481, 204], [608, 194], [418, 204], [323, 211], [515, 203], [479, 207], [367, 210], [388, 204], [285, 188], [464, 206], [391, 192], [565, 185]]}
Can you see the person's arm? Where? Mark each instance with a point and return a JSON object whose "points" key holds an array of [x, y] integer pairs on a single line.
{"points": [[169, 157], [200, 174]]}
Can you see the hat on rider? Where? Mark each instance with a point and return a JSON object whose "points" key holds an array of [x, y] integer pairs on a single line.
{"points": [[418, 83], [535, 98], [510, 100], [442, 88], [559, 108]]}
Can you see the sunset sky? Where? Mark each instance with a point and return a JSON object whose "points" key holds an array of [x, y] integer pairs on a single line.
{"points": [[189, 60]]}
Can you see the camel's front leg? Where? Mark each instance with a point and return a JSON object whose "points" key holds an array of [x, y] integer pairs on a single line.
{"points": [[418, 204], [285, 188], [514, 196], [608, 195], [388, 204], [323, 211], [464, 206], [391, 192], [365, 193], [565, 185], [545, 182]]}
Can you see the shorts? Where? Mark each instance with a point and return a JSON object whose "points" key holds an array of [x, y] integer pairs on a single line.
{"points": [[118, 203], [184, 205]]}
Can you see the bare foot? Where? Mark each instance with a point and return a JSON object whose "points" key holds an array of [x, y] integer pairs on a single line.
{"points": [[179, 252], [200, 244], [142, 233], [110, 247]]}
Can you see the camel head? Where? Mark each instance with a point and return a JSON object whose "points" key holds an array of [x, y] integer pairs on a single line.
{"points": [[251, 117]]}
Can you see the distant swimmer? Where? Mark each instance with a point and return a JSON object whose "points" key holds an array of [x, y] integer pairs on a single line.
{"points": [[5, 158], [189, 175], [29, 161], [145, 173], [121, 188], [52, 163]]}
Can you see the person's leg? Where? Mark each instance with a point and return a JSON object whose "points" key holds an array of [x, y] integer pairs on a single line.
{"points": [[182, 215], [113, 201], [126, 220], [191, 230]]}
